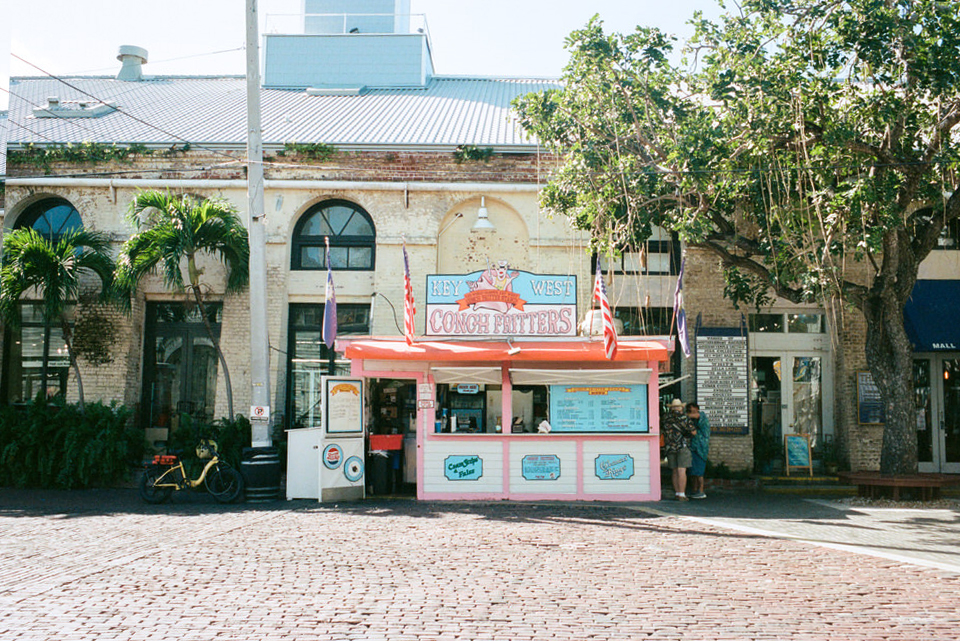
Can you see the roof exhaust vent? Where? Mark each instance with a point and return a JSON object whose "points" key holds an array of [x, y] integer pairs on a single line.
{"points": [[133, 59]]}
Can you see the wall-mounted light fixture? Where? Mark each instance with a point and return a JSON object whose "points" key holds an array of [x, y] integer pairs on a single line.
{"points": [[483, 221], [514, 349]]}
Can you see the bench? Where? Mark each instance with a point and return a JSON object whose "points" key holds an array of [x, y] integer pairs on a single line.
{"points": [[869, 484]]}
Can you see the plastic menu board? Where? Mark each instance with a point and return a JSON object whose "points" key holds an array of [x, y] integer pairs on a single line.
{"points": [[599, 408]]}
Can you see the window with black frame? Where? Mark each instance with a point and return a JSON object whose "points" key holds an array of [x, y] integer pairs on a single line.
{"points": [[308, 358], [349, 229], [659, 255], [35, 354]]}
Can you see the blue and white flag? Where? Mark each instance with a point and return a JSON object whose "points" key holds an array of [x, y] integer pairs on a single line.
{"points": [[329, 331], [681, 315]]}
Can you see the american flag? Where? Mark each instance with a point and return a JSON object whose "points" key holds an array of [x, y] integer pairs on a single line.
{"points": [[680, 314], [609, 331], [329, 329], [409, 307]]}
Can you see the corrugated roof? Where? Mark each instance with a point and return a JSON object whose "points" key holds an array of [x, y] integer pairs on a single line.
{"points": [[448, 112], [3, 144]]}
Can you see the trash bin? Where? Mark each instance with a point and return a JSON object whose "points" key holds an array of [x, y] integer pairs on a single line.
{"points": [[381, 476], [260, 467]]}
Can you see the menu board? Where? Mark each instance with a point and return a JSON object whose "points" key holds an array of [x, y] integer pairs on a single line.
{"points": [[723, 380], [869, 402], [599, 408], [343, 405], [797, 452]]}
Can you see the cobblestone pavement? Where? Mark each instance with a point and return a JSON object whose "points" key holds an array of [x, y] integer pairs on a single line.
{"points": [[99, 565], [925, 536]]}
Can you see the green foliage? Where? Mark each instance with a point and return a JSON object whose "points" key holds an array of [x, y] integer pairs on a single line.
{"points": [[86, 153], [811, 145], [231, 437], [317, 151], [721, 471], [49, 444], [465, 153]]}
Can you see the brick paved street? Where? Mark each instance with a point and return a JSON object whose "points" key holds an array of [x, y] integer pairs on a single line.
{"points": [[99, 565]]}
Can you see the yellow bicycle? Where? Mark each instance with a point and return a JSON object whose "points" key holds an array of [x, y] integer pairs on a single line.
{"points": [[166, 473]]}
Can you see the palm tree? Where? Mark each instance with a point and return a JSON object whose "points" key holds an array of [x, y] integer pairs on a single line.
{"points": [[55, 268], [172, 232]]}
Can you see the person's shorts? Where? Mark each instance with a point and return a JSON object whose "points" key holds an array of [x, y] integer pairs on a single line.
{"points": [[679, 459], [698, 465]]}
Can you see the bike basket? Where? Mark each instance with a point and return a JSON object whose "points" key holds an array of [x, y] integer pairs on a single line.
{"points": [[164, 459], [206, 449]]}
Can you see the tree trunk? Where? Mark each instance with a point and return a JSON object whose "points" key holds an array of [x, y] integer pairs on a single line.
{"points": [[890, 358], [195, 286], [68, 339]]}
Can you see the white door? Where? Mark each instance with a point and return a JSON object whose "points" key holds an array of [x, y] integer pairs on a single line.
{"points": [[790, 393], [937, 388]]}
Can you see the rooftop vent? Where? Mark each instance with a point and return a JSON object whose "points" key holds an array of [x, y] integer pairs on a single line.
{"points": [[56, 108], [133, 59]]}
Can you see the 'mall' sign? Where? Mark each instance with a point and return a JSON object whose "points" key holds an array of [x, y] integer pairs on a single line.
{"points": [[500, 301]]}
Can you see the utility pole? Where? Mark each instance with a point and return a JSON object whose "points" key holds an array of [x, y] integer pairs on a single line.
{"points": [[259, 337]]}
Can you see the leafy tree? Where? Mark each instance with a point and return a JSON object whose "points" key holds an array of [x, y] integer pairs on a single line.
{"points": [[173, 231], [55, 269], [810, 145]]}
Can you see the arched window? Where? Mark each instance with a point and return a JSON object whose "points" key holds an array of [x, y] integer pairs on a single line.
{"points": [[350, 230], [35, 353], [51, 217]]}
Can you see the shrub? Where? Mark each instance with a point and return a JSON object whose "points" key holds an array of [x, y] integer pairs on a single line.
{"points": [[50, 444], [231, 437]]}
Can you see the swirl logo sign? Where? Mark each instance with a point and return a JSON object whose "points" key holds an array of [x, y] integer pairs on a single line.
{"points": [[332, 456], [353, 469]]}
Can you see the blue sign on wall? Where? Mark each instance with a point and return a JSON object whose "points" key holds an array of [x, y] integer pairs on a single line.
{"points": [[541, 467], [463, 468], [599, 408], [613, 467]]}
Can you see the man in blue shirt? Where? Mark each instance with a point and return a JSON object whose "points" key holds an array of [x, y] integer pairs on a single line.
{"points": [[699, 449]]}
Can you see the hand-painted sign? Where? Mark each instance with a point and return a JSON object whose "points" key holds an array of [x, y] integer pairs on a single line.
{"points": [[797, 448], [463, 468], [598, 408], [500, 301], [343, 405], [540, 467], [613, 467], [332, 456]]}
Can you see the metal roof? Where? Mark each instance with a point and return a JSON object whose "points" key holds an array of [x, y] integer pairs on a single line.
{"points": [[3, 145], [170, 110]]}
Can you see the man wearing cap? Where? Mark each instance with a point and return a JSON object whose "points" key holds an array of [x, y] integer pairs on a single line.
{"points": [[677, 431]]}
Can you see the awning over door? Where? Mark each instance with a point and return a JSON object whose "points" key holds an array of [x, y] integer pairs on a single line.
{"points": [[932, 316], [575, 350]]}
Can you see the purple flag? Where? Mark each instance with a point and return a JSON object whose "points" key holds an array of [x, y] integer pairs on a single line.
{"points": [[329, 331], [681, 315]]}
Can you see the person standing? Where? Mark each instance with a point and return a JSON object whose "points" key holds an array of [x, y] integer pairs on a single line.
{"points": [[699, 449], [677, 431]]}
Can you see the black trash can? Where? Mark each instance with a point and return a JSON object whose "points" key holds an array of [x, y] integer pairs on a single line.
{"points": [[381, 476], [260, 467]]}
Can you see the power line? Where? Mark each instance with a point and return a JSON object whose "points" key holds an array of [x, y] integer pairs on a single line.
{"points": [[121, 111], [160, 62]]}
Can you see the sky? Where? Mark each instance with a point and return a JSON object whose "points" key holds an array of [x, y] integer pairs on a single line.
{"points": [[470, 37]]}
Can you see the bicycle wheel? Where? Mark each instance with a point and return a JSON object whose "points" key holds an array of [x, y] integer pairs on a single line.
{"points": [[150, 492], [224, 482]]}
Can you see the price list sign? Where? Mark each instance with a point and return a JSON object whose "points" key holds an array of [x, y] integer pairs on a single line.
{"points": [[723, 380], [598, 408]]}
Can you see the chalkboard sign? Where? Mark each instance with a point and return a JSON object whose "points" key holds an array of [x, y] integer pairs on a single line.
{"points": [[599, 408], [869, 402], [797, 452]]}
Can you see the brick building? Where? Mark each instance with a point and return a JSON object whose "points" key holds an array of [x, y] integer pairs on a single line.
{"points": [[405, 155]]}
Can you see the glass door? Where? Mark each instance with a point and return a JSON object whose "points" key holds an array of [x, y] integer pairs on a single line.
{"points": [[937, 388], [950, 416]]}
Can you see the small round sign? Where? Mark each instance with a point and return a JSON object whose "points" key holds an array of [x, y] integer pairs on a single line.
{"points": [[332, 456], [353, 469]]}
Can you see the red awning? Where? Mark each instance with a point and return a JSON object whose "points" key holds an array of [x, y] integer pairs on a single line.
{"points": [[478, 351]]}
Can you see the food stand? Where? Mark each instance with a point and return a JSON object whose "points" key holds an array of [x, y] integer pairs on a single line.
{"points": [[539, 414]]}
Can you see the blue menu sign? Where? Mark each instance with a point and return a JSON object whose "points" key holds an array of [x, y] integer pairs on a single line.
{"points": [[613, 467], [463, 468], [598, 408], [541, 467]]}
